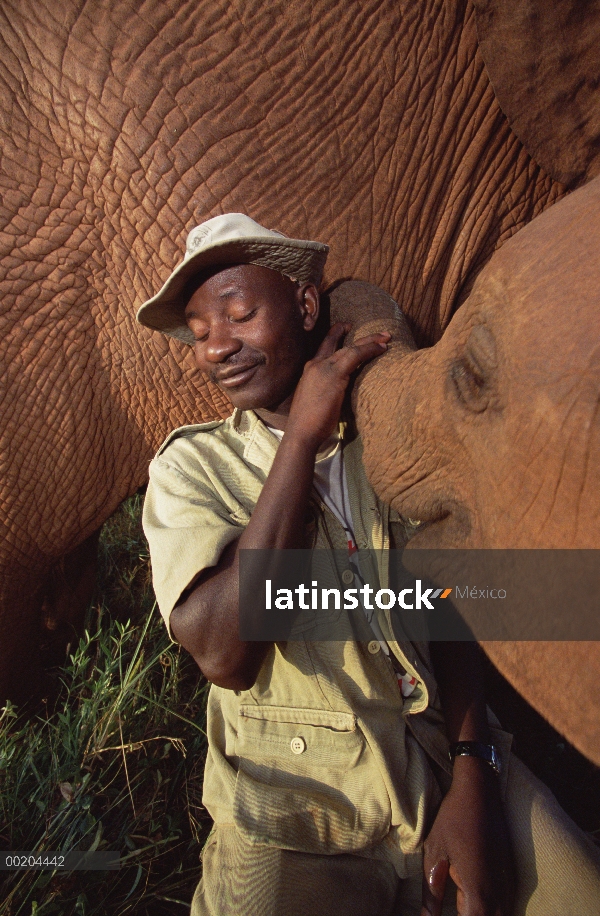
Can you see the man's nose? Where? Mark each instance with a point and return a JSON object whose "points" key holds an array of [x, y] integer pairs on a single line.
{"points": [[220, 345]]}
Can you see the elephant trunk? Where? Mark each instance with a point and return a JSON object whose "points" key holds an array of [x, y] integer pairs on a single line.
{"points": [[369, 310], [378, 396]]}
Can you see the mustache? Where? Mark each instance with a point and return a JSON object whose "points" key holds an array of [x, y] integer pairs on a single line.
{"points": [[247, 359]]}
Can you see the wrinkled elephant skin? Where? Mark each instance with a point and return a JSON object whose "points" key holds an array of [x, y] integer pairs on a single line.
{"points": [[372, 126], [491, 438]]}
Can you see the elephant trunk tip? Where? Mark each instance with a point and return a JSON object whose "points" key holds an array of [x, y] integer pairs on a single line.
{"points": [[370, 310]]}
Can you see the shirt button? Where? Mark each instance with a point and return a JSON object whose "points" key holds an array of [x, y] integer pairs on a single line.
{"points": [[298, 745], [347, 576], [373, 647]]}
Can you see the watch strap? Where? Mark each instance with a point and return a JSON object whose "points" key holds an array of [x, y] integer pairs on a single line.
{"points": [[487, 752]]}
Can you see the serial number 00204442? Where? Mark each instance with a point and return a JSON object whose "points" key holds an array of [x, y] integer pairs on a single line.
{"points": [[74, 860], [32, 860]]}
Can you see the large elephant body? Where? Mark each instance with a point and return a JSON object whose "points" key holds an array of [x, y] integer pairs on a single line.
{"points": [[371, 126]]}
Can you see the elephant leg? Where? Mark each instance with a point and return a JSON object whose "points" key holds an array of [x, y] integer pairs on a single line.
{"points": [[45, 611], [21, 599], [71, 586]]}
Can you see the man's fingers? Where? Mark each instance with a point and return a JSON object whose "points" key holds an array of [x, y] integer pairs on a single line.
{"points": [[350, 358], [434, 887], [331, 340]]}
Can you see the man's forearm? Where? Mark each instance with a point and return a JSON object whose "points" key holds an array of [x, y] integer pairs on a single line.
{"points": [[459, 674], [207, 622], [469, 838]]}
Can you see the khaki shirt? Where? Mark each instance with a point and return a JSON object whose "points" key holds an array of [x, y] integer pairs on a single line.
{"points": [[357, 775]]}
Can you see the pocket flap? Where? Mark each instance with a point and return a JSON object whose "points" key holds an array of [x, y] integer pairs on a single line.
{"points": [[338, 721]]}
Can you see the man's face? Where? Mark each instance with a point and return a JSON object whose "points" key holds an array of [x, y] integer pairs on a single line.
{"points": [[250, 325]]}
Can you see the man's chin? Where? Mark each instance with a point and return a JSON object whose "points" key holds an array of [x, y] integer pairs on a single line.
{"points": [[242, 403], [244, 398], [257, 400]]}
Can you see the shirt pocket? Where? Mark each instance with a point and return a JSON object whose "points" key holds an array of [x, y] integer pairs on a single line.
{"points": [[308, 781]]}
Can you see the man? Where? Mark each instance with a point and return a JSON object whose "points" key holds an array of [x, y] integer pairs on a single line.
{"points": [[327, 759]]}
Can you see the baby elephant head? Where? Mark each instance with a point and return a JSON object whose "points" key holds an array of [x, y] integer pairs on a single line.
{"points": [[491, 438]]}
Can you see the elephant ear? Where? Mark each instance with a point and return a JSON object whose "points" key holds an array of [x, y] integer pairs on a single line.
{"points": [[543, 60]]}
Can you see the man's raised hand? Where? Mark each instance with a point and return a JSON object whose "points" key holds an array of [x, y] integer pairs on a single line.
{"points": [[318, 398]]}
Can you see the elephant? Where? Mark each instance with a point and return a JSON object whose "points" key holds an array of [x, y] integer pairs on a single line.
{"points": [[400, 133], [491, 438]]}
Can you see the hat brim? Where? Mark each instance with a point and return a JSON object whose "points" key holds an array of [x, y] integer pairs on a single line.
{"points": [[298, 259]]}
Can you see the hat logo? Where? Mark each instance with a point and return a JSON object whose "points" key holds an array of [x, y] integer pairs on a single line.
{"points": [[199, 238]]}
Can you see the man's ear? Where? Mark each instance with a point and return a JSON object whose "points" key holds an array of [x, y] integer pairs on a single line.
{"points": [[308, 300]]}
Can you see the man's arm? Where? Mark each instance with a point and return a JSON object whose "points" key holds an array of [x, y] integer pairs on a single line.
{"points": [[206, 623], [469, 838]]}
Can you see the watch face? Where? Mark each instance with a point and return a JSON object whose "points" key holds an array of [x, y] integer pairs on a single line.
{"points": [[495, 761]]}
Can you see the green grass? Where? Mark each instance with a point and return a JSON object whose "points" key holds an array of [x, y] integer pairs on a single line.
{"points": [[117, 763]]}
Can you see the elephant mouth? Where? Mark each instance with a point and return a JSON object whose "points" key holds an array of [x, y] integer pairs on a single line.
{"points": [[415, 528], [448, 527]]}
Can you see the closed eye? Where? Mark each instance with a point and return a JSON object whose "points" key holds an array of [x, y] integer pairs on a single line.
{"points": [[244, 318], [470, 385], [474, 375]]}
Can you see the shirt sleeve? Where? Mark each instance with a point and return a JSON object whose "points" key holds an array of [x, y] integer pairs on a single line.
{"points": [[187, 528]]}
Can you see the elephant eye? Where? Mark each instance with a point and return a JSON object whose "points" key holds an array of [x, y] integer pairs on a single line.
{"points": [[470, 384], [474, 373]]}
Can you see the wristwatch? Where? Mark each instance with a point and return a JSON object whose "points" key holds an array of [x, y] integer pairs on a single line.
{"points": [[485, 752]]}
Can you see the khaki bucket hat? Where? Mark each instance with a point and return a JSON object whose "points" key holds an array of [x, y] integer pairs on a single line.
{"points": [[230, 239]]}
